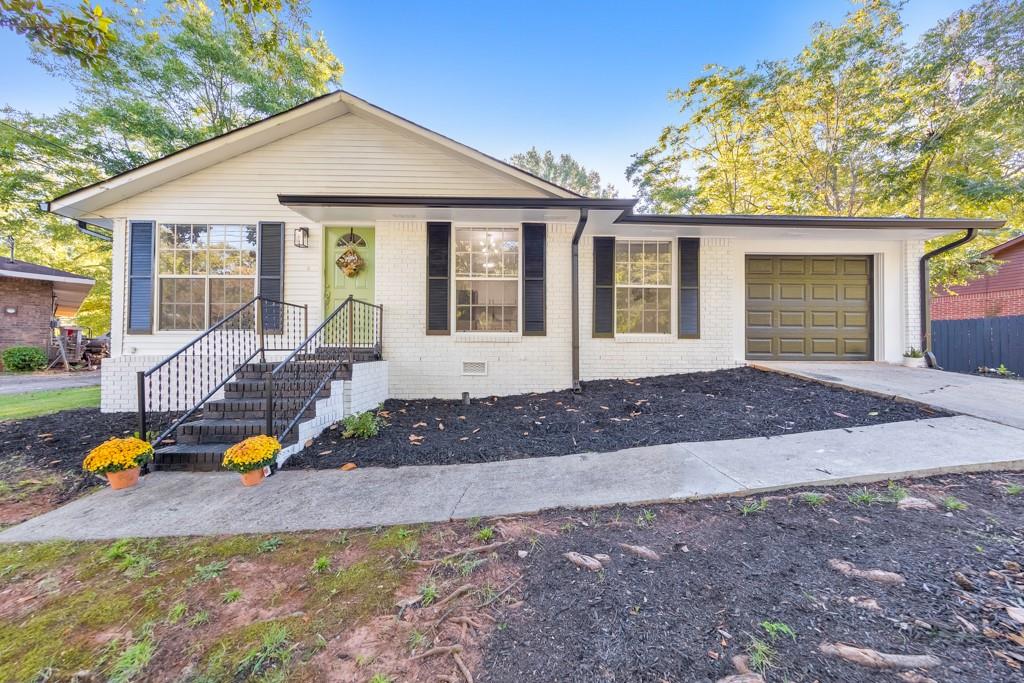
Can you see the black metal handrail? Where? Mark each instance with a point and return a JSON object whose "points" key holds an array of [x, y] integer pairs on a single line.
{"points": [[354, 326], [176, 388]]}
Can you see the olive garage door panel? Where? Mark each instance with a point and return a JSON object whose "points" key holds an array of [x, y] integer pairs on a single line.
{"points": [[808, 307]]}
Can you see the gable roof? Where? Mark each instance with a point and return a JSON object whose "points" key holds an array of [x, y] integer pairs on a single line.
{"points": [[82, 203], [1010, 244]]}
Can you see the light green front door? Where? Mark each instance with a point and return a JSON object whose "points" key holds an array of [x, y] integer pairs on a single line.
{"points": [[337, 284]]}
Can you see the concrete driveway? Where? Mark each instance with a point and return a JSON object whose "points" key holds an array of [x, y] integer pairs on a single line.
{"points": [[990, 398], [19, 383]]}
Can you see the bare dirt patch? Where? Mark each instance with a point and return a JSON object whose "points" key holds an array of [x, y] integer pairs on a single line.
{"points": [[608, 415], [738, 579]]}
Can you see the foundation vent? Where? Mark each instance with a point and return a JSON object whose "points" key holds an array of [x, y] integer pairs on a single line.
{"points": [[474, 367]]}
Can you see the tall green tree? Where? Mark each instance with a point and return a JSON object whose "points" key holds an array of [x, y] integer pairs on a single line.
{"points": [[858, 123], [171, 79], [563, 170], [84, 35]]}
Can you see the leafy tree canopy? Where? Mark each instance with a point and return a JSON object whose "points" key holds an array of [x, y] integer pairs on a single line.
{"points": [[564, 171], [84, 35], [859, 123], [172, 78]]}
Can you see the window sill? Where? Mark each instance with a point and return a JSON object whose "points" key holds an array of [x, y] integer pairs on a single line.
{"points": [[487, 337], [645, 338]]}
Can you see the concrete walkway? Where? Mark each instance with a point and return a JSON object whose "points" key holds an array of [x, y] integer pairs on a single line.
{"points": [[16, 383], [989, 398], [166, 504]]}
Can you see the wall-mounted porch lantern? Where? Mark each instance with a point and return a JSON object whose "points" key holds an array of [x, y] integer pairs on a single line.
{"points": [[301, 237]]}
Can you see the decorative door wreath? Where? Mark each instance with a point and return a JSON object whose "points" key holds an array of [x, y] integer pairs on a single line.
{"points": [[350, 262]]}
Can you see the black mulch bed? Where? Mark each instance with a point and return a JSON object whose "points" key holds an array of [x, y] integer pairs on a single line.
{"points": [[722, 574], [57, 444], [608, 415]]}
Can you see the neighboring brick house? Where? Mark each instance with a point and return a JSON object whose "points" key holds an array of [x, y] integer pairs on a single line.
{"points": [[31, 296], [998, 295]]}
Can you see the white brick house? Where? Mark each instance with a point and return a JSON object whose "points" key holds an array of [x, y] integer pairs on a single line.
{"points": [[514, 265]]}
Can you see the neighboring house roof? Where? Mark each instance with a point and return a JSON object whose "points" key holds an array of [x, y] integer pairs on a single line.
{"points": [[79, 204], [1015, 243], [69, 289]]}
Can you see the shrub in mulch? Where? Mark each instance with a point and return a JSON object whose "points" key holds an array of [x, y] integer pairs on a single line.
{"points": [[607, 415]]}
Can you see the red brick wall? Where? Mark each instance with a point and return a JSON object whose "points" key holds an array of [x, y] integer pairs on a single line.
{"points": [[981, 305], [30, 326]]}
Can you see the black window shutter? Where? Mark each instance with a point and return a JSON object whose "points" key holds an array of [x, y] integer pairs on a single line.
{"points": [[534, 257], [604, 286], [140, 276], [271, 274], [438, 276], [689, 288]]}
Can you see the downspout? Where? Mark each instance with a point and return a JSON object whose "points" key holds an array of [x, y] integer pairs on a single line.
{"points": [[926, 321], [580, 225]]}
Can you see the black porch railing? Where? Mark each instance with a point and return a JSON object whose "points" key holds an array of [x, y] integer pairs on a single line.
{"points": [[175, 389], [354, 330]]}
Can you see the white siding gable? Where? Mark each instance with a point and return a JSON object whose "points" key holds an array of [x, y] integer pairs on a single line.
{"points": [[346, 155]]}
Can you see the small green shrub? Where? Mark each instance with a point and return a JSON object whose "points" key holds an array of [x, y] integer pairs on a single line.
{"points": [[362, 426], [485, 534], [23, 359], [953, 504]]}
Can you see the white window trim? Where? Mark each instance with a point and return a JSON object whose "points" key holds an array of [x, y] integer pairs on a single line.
{"points": [[493, 335], [157, 329], [673, 294]]}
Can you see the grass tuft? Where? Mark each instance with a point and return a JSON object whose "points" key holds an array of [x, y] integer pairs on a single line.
{"points": [[953, 504]]}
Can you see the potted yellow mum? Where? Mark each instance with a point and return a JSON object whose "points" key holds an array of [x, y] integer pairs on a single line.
{"points": [[251, 456], [120, 460]]}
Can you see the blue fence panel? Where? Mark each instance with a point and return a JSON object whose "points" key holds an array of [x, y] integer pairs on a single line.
{"points": [[966, 345]]}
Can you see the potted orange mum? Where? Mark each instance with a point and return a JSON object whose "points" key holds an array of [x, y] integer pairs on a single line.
{"points": [[251, 456], [120, 460]]}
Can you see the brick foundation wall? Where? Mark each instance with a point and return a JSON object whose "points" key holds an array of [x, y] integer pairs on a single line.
{"points": [[982, 305], [30, 325]]}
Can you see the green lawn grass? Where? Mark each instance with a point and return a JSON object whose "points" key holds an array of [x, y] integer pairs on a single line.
{"points": [[20, 406]]}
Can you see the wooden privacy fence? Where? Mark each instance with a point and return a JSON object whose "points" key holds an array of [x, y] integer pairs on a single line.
{"points": [[966, 345]]}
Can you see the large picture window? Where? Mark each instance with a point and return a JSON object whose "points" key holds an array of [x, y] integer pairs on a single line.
{"points": [[206, 271], [487, 279], [643, 287]]}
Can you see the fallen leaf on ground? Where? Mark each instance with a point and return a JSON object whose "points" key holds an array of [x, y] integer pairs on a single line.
{"points": [[349, 466]]}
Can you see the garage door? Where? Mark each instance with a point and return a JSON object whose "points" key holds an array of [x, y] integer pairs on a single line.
{"points": [[808, 307]]}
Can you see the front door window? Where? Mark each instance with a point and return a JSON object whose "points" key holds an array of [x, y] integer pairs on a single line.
{"points": [[348, 264]]}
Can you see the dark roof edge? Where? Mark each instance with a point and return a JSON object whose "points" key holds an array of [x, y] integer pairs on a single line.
{"points": [[784, 221], [16, 268], [456, 202], [1008, 244]]}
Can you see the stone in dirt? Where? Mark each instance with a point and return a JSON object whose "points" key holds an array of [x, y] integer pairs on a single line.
{"points": [[915, 504], [874, 659], [583, 561], [742, 678], [914, 677], [864, 602], [640, 551], [877, 575], [603, 559]]}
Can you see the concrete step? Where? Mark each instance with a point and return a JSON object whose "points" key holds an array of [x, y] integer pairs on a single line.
{"points": [[208, 430], [256, 388], [254, 408], [204, 457]]}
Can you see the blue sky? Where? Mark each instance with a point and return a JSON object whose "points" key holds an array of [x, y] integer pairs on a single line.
{"points": [[587, 78]]}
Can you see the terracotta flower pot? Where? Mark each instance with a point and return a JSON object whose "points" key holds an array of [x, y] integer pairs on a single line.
{"points": [[253, 477], [123, 479]]}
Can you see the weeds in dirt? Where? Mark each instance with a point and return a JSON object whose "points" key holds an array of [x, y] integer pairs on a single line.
{"points": [[342, 539], [813, 499], [1013, 489], [269, 545], [778, 629], [133, 660], [864, 496], [199, 618], [231, 595], [417, 640], [753, 507], [381, 678], [488, 594], [953, 504], [646, 517], [428, 594], [473, 522], [209, 572], [467, 566], [321, 565], [895, 492], [177, 612], [134, 564], [362, 426], [273, 651], [485, 534], [568, 527], [762, 655]]}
